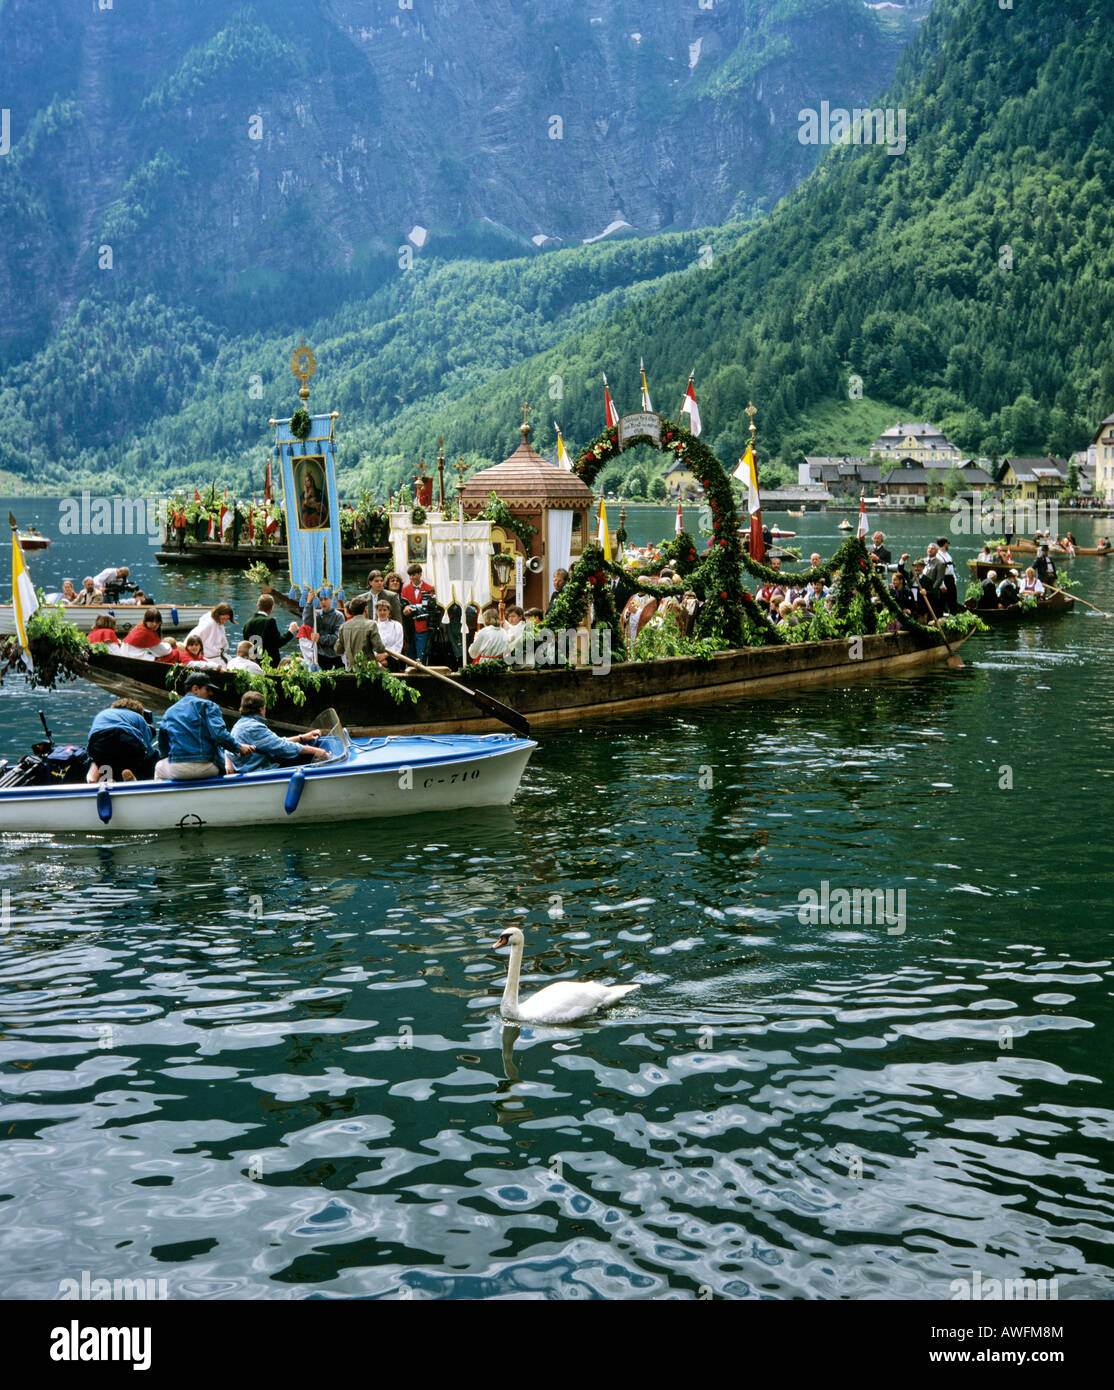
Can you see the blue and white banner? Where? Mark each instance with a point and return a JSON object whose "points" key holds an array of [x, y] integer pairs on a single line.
{"points": [[309, 492]]}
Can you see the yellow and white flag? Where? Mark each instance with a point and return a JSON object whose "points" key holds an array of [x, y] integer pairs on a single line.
{"points": [[646, 402], [563, 460], [604, 535], [24, 602]]}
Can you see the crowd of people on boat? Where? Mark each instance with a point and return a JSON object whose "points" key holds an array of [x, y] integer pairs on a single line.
{"points": [[112, 585]]}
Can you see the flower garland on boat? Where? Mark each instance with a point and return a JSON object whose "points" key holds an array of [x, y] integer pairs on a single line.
{"points": [[496, 511], [716, 579]]}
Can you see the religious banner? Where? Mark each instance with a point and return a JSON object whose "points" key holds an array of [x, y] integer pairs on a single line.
{"points": [[309, 490], [644, 424]]}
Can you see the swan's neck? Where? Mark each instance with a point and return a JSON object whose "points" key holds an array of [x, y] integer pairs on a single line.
{"points": [[510, 993]]}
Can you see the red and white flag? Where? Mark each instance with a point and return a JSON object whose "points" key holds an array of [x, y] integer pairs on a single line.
{"points": [[689, 405], [226, 515], [680, 526], [862, 532], [610, 414]]}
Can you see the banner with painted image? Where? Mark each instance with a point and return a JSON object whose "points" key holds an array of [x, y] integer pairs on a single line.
{"points": [[309, 490]]}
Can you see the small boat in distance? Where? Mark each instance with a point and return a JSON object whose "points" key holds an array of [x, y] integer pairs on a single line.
{"points": [[393, 776], [32, 539], [176, 617], [844, 525], [1047, 607]]}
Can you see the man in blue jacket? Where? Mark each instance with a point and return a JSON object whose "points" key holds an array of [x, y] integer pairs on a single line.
{"points": [[192, 733], [270, 749], [121, 744]]}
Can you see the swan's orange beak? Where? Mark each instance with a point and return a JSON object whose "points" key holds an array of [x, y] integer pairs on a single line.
{"points": [[502, 941]]}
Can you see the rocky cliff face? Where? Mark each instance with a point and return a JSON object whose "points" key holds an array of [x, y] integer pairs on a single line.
{"points": [[192, 148]]}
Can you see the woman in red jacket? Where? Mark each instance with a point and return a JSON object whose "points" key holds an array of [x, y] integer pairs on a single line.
{"points": [[147, 635], [105, 631]]}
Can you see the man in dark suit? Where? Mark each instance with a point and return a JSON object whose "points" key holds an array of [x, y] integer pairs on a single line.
{"points": [[262, 630], [989, 596], [1008, 593], [1045, 566], [878, 552]]}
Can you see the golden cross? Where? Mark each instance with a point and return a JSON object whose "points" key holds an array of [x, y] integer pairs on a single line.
{"points": [[460, 469], [525, 413], [751, 411]]}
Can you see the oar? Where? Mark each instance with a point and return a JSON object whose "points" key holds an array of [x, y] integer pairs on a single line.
{"points": [[1099, 611], [953, 660], [481, 698]]}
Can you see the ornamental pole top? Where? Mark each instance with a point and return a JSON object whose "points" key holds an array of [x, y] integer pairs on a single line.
{"points": [[524, 428], [303, 364], [751, 411]]}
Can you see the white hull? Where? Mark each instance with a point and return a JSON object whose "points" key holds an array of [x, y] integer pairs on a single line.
{"points": [[381, 777], [176, 617]]}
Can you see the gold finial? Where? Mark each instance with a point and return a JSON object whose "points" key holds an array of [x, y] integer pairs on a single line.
{"points": [[524, 428], [421, 466], [303, 364], [460, 470], [751, 411]]}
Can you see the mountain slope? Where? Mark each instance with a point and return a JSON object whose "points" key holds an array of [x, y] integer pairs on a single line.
{"points": [[228, 153], [969, 280]]}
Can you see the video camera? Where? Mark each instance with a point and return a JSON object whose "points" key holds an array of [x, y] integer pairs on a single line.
{"points": [[115, 588]]}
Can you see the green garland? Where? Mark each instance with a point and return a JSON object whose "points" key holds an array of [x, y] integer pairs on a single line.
{"points": [[499, 513], [716, 578], [418, 516], [300, 425], [588, 581]]}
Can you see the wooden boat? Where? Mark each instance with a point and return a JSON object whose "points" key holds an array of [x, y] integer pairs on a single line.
{"points": [[375, 777], [844, 525], [1028, 548], [780, 535], [176, 617], [217, 555], [559, 695], [1051, 606], [32, 540]]}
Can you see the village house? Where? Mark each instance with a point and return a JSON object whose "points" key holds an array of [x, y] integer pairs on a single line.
{"points": [[922, 444], [1036, 479], [1100, 461]]}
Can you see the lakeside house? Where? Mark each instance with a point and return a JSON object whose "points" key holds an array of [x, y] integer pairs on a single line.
{"points": [[919, 443], [682, 484], [1036, 479], [1100, 461]]}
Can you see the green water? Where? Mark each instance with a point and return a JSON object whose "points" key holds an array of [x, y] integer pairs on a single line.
{"points": [[270, 1063]]}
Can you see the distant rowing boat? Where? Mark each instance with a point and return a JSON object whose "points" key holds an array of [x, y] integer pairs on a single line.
{"points": [[1028, 548], [32, 540]]}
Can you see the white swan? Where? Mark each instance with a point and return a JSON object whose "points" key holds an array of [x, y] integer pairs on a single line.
{"points": [[563, 1002]]}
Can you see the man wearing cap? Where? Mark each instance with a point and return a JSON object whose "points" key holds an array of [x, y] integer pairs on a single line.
{"points": [[328, 626], [1045, 566], [192, 733]]}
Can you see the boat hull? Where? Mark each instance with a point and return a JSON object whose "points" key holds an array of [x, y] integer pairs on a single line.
{"points": [[414, 776], [1051, 607], [557, 696], [176, 617]]}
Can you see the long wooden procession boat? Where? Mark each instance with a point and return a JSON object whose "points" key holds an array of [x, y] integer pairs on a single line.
{"points": [[176, 617], [217, 555], [1052, 606], [555, 696]]}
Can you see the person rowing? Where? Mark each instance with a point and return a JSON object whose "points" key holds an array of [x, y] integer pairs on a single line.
{"points": [[268, 749]]}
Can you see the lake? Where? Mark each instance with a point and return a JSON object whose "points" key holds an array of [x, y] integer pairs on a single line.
{"points": [[270, 1064]]}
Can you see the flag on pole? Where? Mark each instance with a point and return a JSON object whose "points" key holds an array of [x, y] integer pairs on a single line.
{"points": [[604, 535], [251, 519], [196, 495], [680, 525], [689, 406], [226, 515], [747, 473], [861, 533], [610, 414], [646, 403], [24, 602], [563, 460]]}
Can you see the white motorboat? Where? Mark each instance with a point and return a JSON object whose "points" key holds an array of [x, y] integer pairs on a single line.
{"points": [[176, 617], [33, 540], [394, 776]]}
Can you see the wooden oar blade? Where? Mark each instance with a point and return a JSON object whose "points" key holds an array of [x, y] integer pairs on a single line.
{"points": [[503, 713]]}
